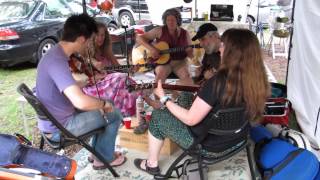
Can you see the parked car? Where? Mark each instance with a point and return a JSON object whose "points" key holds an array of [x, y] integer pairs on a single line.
{"points": [[127, 12], [29, 28], [109, 20]]}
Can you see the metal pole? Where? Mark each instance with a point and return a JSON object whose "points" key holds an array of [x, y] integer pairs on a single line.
{"points": [[196, 9], [139, 9], [84, 7], [290, 41], [126, 43], [258, 13]]}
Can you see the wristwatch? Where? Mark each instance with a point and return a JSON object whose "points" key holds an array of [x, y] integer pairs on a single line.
{"points": [[164, 99]]}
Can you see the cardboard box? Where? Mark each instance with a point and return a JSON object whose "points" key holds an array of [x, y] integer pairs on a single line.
{"points": [[140, 142]]}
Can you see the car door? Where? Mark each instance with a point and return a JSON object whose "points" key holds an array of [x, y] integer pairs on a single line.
{"points": [[49, 22]]}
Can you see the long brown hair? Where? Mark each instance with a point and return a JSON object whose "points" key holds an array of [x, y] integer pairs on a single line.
{"points": [[106, 41], [244, 70]]}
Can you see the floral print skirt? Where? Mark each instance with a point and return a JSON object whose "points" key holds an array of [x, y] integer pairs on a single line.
{"points": [[113, 87]]}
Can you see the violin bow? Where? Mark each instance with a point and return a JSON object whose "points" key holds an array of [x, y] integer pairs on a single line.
{"points": [[89, 60]]}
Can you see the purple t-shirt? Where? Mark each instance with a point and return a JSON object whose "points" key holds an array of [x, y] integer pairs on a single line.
{"points": [[53, 77]]}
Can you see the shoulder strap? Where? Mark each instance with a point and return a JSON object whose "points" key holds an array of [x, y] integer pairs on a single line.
{"points": [[293, 154]]}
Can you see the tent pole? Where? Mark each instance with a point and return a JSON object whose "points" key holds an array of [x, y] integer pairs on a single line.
{"points": [[84, 7], [290, 41], [139, 9], [196, 8], [258, 13]]}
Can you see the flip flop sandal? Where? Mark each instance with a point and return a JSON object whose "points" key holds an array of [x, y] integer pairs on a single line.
{"points": [[118, 156], [150, 170], [91, 159], [115, 165]]}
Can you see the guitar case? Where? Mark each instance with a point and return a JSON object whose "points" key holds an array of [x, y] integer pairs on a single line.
{"points": [[15, 154]]}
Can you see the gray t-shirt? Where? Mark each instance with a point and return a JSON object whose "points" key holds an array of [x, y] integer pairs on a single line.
{"points": [[53, 77]]}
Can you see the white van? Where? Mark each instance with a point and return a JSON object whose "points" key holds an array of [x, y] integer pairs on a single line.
{"points": [[239, 8]]}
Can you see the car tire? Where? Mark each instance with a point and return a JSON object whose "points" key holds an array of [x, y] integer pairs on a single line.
{"points": [[44, 47], [126, 18], [112, 27]]}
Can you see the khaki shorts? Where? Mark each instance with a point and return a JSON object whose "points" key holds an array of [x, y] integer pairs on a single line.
{"points": [[175, 65]]}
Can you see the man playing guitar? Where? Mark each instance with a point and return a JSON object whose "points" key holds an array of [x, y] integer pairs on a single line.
{"points": [[175, 36]]}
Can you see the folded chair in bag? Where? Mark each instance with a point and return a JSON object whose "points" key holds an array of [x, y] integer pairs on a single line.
{"points": [[17, 156], [66, 137], [225, 122], [278, 158]]}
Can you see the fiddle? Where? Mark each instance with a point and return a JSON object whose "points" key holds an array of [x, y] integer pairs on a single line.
{"points": [[83, 67]]}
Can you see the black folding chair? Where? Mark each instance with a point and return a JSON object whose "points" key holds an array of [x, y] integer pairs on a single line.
{"points": [[66, 137], [230, 121]]}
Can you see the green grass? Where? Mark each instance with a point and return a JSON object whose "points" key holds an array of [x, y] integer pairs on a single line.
{"points": [[10, 116]]}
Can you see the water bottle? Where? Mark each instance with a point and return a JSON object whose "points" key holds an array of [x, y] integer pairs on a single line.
{"points": [[139, 107]]}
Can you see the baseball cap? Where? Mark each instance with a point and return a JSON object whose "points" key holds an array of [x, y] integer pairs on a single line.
{"points": [[203, 29]]}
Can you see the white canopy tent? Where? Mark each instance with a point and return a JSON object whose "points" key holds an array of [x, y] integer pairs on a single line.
{"points": [[303, 83], [304, 68]]}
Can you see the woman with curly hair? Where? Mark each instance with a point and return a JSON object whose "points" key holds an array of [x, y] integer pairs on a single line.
{"points": [[175, 36]]}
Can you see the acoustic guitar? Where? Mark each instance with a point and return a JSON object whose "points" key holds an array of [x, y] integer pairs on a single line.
{"points": [[142, 55], [135, 87]]}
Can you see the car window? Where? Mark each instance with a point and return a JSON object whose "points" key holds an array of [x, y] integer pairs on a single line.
{"points": [[77, 8], [38, 16], [15, 9], [57, 9]]}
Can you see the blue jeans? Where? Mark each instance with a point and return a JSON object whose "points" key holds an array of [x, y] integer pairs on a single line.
{"points": [[104, 143]]}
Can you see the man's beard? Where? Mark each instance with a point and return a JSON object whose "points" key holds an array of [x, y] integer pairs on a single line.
{"points": [[211, 49]]}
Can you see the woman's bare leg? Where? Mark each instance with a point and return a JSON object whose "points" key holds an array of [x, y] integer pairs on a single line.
{"points": [[155, 146]]}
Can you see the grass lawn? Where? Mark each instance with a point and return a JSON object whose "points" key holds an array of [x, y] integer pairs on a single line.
{"points": [[10, 78]]}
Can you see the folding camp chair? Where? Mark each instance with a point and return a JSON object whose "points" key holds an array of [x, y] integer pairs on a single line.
{"points": [[66, 137], [231, 122]]}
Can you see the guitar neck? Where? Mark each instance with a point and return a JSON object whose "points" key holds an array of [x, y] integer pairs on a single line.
{"points": [[178, 49], [135, 87]]}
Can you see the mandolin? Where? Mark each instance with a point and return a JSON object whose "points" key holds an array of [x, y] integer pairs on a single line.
{"points": [[141, 55], [135, 87]]}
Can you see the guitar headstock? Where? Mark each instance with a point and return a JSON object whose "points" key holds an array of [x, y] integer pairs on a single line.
{"points": [[136, 87], [144, 67]]}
